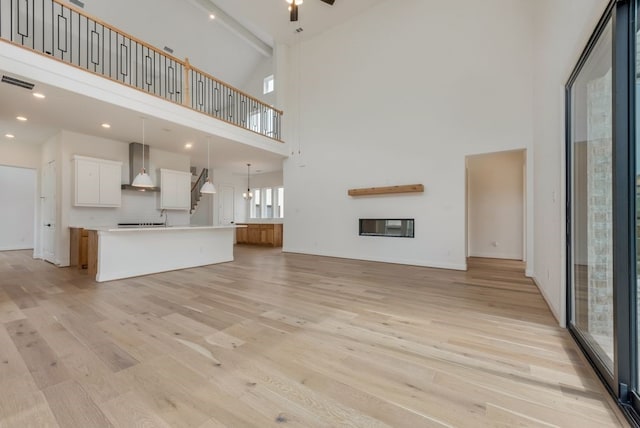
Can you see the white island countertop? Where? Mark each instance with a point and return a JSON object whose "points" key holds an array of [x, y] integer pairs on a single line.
{"points": [[124, 252], [156, 228]]}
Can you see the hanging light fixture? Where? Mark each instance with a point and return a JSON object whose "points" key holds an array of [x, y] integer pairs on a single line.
{"points": [[248, 195], [293, 9], [208, 186], [142, 179]]}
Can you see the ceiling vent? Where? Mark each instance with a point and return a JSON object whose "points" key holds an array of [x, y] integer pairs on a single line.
{"points": [[17, 82], [77, 3]]}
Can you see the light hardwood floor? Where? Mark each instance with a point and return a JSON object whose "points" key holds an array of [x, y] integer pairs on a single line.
{"points": [[278, 339]]}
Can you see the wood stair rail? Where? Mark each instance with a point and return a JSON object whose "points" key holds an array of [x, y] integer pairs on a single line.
{"points": [[196, 195]]}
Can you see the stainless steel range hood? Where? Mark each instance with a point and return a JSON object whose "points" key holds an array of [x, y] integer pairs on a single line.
{"points": [[135, 165]]}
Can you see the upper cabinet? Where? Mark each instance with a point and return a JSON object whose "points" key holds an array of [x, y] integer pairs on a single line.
{"points": [[97, 182], [175, 190]]}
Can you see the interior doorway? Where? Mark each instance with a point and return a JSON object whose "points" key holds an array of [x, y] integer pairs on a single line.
{"points": [[496, 205]]}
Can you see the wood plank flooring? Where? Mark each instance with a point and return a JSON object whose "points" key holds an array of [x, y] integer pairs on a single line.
{"points": [[278, 339]]}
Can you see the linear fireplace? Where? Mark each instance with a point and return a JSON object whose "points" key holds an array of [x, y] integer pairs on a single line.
{"points": [[391, 227]]}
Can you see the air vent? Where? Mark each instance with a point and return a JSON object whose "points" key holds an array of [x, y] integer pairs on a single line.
{"points": [[168, 49], [17, 82], [77, 3]]}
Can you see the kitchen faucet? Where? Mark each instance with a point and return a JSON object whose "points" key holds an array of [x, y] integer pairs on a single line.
{"points": [[166, 216]]}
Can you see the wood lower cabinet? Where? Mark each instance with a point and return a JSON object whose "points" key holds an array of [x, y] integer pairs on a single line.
{"points": [[78, 249], [268, 234]]}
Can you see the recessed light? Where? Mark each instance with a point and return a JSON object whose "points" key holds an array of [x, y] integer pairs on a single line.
{"points": [[21, 118], [212, 16], [188, 146], [39, 95], [106, 126], [9, 136]]}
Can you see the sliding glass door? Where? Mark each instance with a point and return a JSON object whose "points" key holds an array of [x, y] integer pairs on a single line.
{"points": [[592, 202], [603, 203]]}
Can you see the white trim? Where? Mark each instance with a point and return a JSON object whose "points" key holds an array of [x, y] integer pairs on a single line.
{"points": [[11, 248], [547, 300], [409, 262], [490, 255]]}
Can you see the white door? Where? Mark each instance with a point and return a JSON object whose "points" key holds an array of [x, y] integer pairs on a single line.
{"points": [[49, 212], [227, 204]]}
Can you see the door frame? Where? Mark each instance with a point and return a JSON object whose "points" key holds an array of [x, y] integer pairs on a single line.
{"points": [[43, 200]]}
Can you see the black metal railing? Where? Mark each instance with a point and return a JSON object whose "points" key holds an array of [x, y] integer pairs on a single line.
{"points": [[213, 97], [67, 34]]}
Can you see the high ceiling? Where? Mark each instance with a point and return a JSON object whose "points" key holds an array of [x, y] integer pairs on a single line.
{"points": [[269, 19], [222, 46]]}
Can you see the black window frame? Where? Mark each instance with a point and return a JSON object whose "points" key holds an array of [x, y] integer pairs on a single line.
{"points": [[623, 384]]}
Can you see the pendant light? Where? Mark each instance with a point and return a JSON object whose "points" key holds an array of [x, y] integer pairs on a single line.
{"points": [[208, 186], [142, 179], [248, 195]]}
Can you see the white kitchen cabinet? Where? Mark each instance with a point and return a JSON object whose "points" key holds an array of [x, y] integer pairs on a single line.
{"points": [[97, 182], [175, 190]]}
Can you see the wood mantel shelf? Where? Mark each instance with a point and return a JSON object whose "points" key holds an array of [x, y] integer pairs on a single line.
{"points": [[406, 188]]}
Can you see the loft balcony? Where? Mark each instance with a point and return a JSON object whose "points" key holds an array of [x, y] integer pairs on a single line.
{"points": [[67, 34]]}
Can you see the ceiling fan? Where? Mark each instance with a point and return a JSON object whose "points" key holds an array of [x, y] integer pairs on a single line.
{"points": [[293, 7]]}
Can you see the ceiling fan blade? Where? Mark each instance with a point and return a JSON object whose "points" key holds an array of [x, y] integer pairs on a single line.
{"points": [[330, 2], [293, 15]]}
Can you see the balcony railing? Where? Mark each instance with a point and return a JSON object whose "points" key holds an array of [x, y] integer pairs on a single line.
{"points": [[67, 34]]}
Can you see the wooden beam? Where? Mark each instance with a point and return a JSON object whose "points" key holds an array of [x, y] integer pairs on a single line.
{"points": [[406, 188]]}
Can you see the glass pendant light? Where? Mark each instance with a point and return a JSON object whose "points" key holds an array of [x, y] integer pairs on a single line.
{"points": [[248, 195], [208, 186], [142, 179]]}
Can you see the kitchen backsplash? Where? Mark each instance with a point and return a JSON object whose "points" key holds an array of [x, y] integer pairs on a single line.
{"points": [[136, 207]]}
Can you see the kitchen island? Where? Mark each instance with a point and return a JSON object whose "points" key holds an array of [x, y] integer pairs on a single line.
{"points": [[116, 253]]}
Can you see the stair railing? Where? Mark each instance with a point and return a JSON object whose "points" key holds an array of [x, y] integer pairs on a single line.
{"points": [[195, 189], [66, 33]]}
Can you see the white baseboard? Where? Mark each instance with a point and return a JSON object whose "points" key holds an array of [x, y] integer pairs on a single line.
{"points": [[14, 248], [490, 255], [409, 262], [556, 315]]}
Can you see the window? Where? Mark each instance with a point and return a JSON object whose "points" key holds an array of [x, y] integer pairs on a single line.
{"points": [[268, 85], [267, 202]]}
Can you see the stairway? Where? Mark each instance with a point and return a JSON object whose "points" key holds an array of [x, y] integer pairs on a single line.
{"points": [[196, 195]]}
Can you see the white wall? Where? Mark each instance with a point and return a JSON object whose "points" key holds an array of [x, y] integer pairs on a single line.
{"points": [[496, 205], [20, 155], [268, 179], [254, 85], [17, 219], [401, 94], [562, 29]]}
